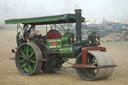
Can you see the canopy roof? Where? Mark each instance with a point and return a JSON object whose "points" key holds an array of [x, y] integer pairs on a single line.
{"points": [[57, 19]]}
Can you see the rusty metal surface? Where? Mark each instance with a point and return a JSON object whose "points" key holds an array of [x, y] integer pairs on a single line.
{"points": [[85, 52], [43, 60]]}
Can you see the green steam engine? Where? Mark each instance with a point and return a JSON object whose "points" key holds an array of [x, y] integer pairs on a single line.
{"points": [[49, 52]]}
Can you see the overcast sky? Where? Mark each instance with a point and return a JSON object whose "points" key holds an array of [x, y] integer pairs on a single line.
{"points": [[112, 10]]}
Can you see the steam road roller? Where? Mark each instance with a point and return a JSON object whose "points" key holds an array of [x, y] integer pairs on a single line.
{"points": [[36, 52]]}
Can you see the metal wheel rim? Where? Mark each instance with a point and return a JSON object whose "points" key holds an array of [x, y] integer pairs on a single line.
{"points": [[27, 59]]}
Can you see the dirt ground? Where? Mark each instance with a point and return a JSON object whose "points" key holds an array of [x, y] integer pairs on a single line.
{"points": [[10, 76]]}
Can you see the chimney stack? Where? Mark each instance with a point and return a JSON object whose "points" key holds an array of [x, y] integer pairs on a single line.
{"points": [[78, 25]]}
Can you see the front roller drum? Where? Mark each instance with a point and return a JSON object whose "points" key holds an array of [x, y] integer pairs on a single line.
{"points": [[27, 59], [98, 59]]}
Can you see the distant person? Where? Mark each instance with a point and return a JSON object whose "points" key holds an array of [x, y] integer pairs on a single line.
{"points": [[32, 31], [94, 39], [33, 34], [23, 36]]}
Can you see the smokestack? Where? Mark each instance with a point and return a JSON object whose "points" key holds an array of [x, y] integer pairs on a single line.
{"points": [[78, 25]]}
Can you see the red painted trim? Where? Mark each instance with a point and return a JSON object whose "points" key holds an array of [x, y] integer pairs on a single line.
{"points": [[85, 52], [84, 56], [43, 60], [53, 43]]}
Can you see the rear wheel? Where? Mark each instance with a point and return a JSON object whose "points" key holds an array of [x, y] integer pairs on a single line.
{"points": [[98, 59], [27, 59]]}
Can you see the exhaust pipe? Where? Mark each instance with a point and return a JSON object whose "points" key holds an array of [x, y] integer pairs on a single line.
{"points": [[78, 25]]}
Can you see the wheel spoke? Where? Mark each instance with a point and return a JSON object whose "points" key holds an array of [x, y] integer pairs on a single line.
{"points": [[26, 68], [22, 52], [85, 72], [30, 69], [21, 61], [27, 51], [31, 50], [94, 63], [33, 61], [33, 65], [92, 73], [32, 54], [88, 59], [33, 58], [21, 56], [23, 65], [94, 60]]}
